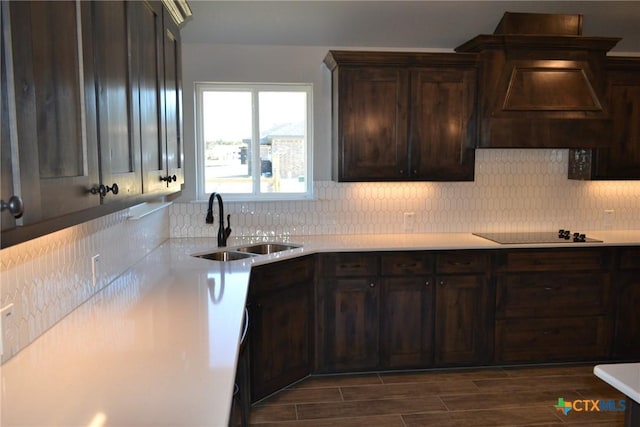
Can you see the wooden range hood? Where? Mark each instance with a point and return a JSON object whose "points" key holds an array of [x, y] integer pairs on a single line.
{"points": [[542, 84]]}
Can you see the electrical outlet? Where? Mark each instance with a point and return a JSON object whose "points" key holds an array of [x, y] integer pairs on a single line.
{"points": [[94, 268], [607, 220], [6, 317], [409, 219]]}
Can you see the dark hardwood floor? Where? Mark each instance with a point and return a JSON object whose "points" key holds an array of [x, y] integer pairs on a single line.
{"points": [[480, 397]]}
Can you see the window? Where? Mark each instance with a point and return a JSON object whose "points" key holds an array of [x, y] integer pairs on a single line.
{"points": [[254, 140]]}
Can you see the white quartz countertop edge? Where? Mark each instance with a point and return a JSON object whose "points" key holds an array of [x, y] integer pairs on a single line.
{"points": [[159, 345], [624, 377]]}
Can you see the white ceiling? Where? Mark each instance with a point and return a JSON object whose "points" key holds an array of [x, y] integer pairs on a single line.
{"points": [[399, 24]]}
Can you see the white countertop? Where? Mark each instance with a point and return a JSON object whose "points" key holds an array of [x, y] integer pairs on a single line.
{"points": [[624, 377], [159, 345]]}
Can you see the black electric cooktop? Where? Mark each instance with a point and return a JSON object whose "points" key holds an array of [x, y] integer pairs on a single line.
{"points": [[560, 236]]}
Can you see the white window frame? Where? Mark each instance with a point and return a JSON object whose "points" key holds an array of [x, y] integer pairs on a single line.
{"points": [[254, 88]]}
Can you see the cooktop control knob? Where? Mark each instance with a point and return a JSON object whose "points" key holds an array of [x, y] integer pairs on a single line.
{"points": [[577, 237], [564, 234]]}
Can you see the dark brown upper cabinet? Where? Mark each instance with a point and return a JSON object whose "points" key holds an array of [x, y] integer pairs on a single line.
{"points": [[621, 158], [120, 165], [91, 94], [403, 116], [51, 108], [172, 106], [543, 85]]}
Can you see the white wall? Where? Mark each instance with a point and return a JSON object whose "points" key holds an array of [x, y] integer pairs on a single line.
{"points": [[273, 64]]}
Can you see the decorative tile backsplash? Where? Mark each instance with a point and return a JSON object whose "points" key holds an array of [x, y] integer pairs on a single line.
{"points": [[48, 277], [524, 190]]}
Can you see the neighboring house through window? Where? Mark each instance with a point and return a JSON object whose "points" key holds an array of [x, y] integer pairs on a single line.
{"points": [[254, 140]]}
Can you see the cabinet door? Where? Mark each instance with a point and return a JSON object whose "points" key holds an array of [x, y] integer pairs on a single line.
{"points": [[55, 107], [351, 324], [462, 334], [443, 129], [407, 322], [281, 331], [172, 105], [146, 60], [627, 328], [372, 134], [119, 149], [7, 189], [621, 158]]}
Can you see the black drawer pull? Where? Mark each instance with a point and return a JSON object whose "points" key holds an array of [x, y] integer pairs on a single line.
{"points": [[460, 263], [341, 266], [402, 265]]}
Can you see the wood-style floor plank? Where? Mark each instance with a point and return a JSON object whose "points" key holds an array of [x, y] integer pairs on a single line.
{"points": [[361, 408], [484, 418], [407, 390], [500, 397], [373, 421]]}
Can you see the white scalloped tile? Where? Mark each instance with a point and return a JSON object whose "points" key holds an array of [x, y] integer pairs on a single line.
{"points": [[48, 277], [513, 190]]}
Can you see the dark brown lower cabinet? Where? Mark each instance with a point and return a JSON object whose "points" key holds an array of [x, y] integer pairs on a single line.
{"points": [[376, 311], [430, 309], [406, 322], [463, 328], [627, 323], [352, 316], [553, 305], [281, 325]]}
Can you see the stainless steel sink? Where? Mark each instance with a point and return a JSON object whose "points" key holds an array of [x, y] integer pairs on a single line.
{"points": [[225, 255], [267, 248]]}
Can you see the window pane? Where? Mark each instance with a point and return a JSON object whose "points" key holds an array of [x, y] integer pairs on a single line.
{"points": [[226, 127], [283, 142]]}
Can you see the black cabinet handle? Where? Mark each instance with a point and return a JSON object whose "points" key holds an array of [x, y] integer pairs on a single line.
{"points": [[103, 190], [427, 283], [169, 178], [13, 205], [442, 283], [372, 285]]}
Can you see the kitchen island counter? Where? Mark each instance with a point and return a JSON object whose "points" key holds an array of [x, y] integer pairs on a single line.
{"points": [[159, 345], [624, 377]]}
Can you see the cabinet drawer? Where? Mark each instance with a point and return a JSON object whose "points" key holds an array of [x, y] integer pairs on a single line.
{"points": [[550, 260], [349, 264], [552, 294], [406, 264], [269, 277], [629, 259], [541, 340], [462, 262]]}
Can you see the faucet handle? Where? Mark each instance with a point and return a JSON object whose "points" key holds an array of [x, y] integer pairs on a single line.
{"points": [[227, 230]]}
